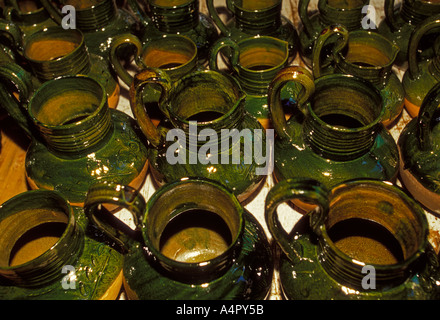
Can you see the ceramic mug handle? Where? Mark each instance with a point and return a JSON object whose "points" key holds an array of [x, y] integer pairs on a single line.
{"points": [[14, 32], [110, 193], [53, 11], [15, 106], [149, 76], [303, 189], [216, 18], [390, 17], [218, 46], [290, 74], [326, 33], [417, 34], [303, 6], [120, 40], [427, 118]]}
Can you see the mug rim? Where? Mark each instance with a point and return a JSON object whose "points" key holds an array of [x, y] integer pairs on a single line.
{"points": [[36, 35], [241, 97], [395, 52], [70, 224], [193, 58], [183, 5], [102, 102], [279, 2], [398, 192], [191, 265], [365, 83], [264, 37]]}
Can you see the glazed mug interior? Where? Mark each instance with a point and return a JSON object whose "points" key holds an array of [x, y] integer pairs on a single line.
{"points": [[71, 114], [205, 97], [256, 5], [39, 235], [31, 231], [344, 102], [260, 54], [199, 224], [49, 46], [373, 224], [54, 52], [66, 101], [170, 53], [365, 49]]}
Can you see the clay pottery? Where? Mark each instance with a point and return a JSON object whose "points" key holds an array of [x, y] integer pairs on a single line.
{"points": [[192, 240], [11, 45], [55, 52], [367, 240], [418, 145], [256, 18], [49, 252], [76, 139], [336, 133], [162, 17], [422, 74], [254, 63], [401, 21], [98, 20], [29, 15], [175, 54], [198, 109], [367, 55], [330, 12]]}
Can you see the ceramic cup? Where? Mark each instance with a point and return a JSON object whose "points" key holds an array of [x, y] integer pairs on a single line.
{"points": [[255, 61], [55, 52], [336, 133], [192, 240], [256, 18], [99, 21], [347, 13], [41, 235], [198, 103], [418, 145], [76, 138], [163, 17], [367, 239], [367, 55], [175, 54]]}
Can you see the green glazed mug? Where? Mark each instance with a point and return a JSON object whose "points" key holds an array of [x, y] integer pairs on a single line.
{"points": [[400, 22], [256, 18], [347, 13], [49, 252], [29, 16], [162, 17], [76, 138], [367, 55], [99, 21], [55, 52], [12, 47], [336, 133], [418, 145], [422, 74], [366, 240], [192, 240], [174, 53], [254, 62], [202, 111]]}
